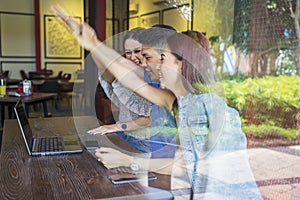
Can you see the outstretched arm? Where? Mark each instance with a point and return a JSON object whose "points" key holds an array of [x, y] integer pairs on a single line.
{"points": [[112, 158], [136, 124], [114, 62]]}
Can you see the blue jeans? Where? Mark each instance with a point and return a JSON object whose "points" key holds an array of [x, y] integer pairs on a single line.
{"points": [[141, 145], [155, 145]]}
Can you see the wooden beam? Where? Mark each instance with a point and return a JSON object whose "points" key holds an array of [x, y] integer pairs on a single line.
{"points": [[37, 34]]}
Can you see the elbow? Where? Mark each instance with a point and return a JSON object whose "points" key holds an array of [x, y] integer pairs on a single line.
{"points": [[148, 121], [145, 121]]}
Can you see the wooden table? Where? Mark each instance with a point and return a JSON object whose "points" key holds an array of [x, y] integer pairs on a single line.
{"points": [[35, 98], [73, 176]]}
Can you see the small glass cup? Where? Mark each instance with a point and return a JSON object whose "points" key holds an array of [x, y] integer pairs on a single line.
{"points": [[2, 87]]}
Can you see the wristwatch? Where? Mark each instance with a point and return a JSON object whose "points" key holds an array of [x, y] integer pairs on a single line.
{"points": [[134, 166], [124, 126]]}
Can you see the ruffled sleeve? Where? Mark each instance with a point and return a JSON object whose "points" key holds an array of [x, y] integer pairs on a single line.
{"points": [[131, 100], [108, 89]]}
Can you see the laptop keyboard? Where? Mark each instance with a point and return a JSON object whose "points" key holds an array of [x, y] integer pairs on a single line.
{"points": [[50, 144]]}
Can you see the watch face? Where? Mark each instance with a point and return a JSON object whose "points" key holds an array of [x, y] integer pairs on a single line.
{"points": [[134, 167], [124, 126]]}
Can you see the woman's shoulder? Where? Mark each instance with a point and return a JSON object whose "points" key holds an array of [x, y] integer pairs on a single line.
{"points": [[211, 103], [203, 98]]}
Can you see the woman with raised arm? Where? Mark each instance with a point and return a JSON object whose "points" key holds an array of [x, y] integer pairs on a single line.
{"points": [[107, 58], [210, 132], [134, 111], [114, 158]]}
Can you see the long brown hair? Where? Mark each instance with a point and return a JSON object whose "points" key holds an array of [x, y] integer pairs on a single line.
{"points": [[199, 38], [197, 67]]}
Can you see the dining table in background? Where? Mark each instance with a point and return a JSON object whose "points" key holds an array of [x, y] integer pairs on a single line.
{"points": [[13, 81], [36, 98]]}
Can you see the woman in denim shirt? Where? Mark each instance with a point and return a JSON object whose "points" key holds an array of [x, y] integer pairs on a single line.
{"points": [[209, 131]]}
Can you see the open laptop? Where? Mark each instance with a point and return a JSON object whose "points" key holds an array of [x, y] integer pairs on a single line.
{"points": [[47, 145]]}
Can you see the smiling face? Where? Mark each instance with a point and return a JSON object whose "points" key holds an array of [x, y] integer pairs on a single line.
{"points": [[151, 61], [169, 70], [133, 50]]}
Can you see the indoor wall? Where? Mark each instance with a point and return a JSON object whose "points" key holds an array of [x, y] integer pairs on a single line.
{"points": [[147, 13], [17, 36], [18, 40], [215, 18], [58, 49]]}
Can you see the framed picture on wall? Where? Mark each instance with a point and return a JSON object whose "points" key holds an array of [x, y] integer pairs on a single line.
{"points": [[59, 41], [150, 19], [177, 17]]}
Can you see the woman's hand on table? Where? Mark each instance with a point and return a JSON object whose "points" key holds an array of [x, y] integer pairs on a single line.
{"points": [[104, 129], [112, 158]]}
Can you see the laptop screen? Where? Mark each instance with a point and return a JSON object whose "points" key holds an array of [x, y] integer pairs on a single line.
{"points": [[24, 124]]}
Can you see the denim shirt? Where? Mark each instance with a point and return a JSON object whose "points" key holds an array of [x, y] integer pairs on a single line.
{"points": [[215, 147]]}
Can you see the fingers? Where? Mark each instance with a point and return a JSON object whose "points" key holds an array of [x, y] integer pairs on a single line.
{"points": [[94, 131], [107, 157], [100, 130], [59, 12], [102, 155], [67, 19], [107, 150], [103, 129], [99, 155], [75, 26], [85, 35], [104, 150]]}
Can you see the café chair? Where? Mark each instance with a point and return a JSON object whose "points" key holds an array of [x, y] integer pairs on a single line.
{"points": [[66, 77], [79, 87], [36, 76], [46, 72], [58, 76], [51, 86], [67, 92], [6, 74], [24, 75]]}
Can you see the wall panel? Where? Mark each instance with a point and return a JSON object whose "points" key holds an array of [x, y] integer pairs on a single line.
{"points": [[15, 66], [17, 35]]}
